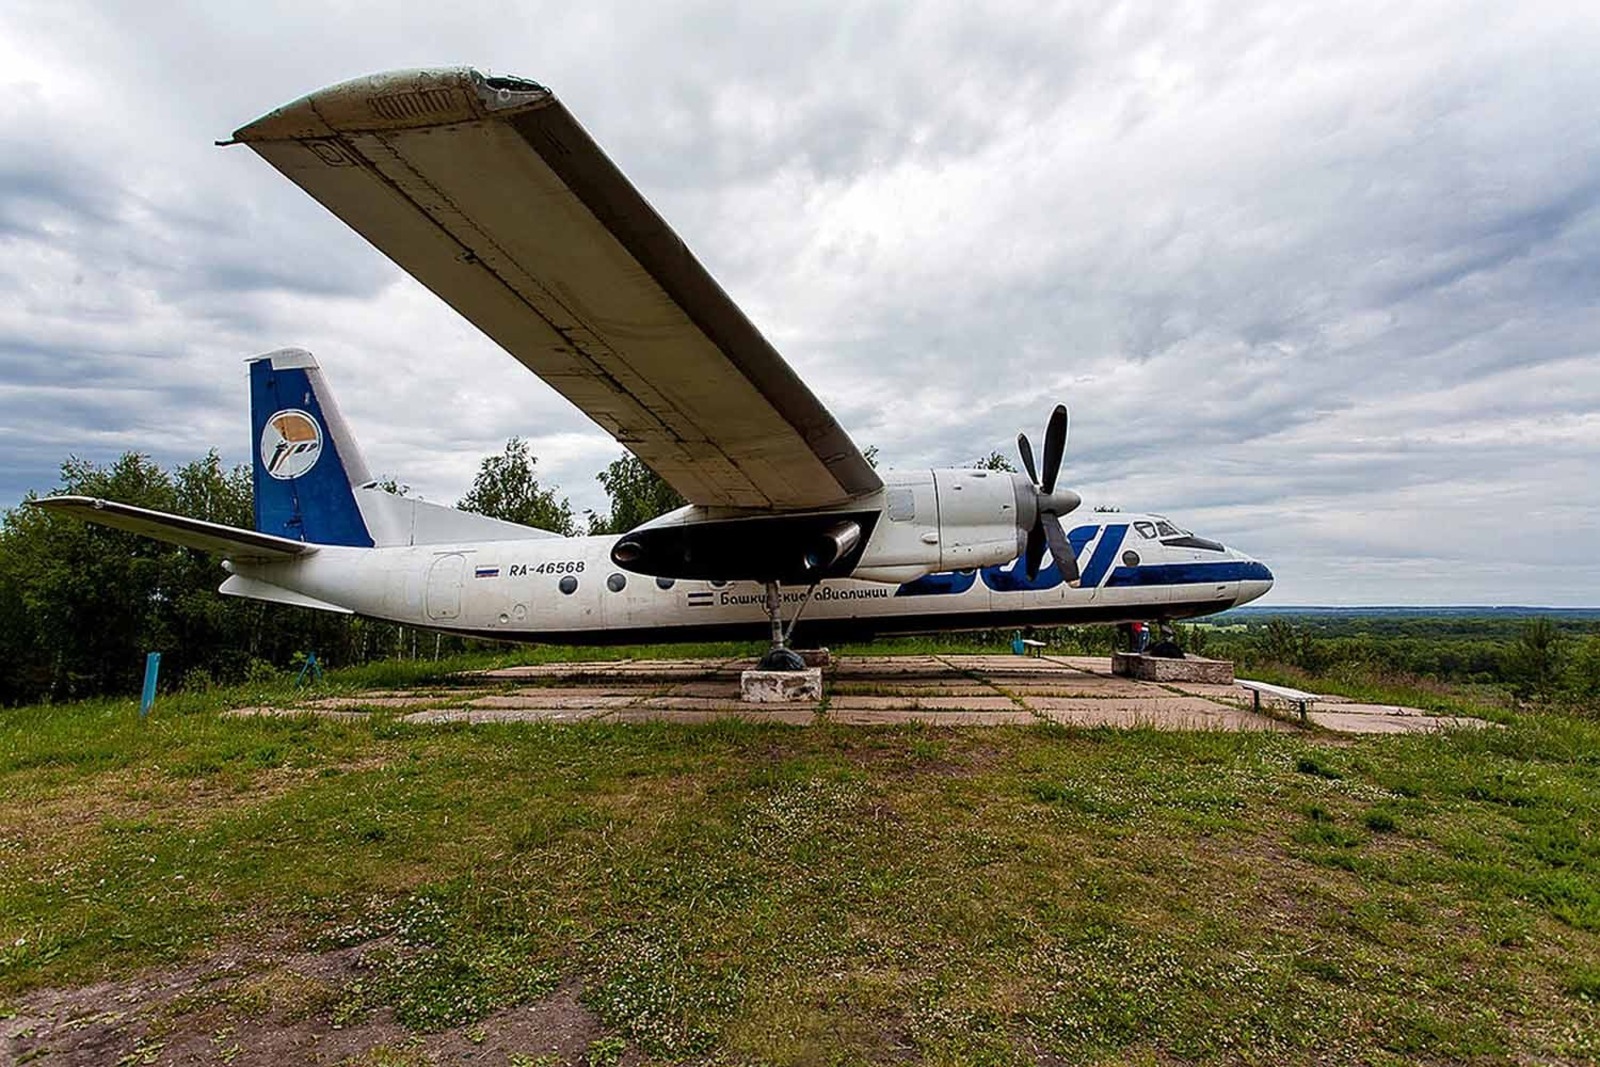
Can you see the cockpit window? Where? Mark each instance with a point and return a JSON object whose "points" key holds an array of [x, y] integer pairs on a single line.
{"points": [[1168, 530], [1146, 529]]}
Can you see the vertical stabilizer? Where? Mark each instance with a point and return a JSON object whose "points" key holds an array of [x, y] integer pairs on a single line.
{"points": [[305, 462]]}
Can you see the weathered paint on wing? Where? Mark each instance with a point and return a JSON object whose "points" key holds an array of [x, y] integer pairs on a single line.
{"points": [[489, 192]]}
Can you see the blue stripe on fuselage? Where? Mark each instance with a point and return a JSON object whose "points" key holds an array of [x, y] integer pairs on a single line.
{"points": [[1190, 573]]}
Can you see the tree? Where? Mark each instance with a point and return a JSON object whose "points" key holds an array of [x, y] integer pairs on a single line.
{"points": [[1284, 642], [638, 494], [1584, 676], [994, 461], [506, 488], [1534, 662]]}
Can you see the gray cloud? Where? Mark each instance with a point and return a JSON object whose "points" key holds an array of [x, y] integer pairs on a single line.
{"points": [[1316, 281]]}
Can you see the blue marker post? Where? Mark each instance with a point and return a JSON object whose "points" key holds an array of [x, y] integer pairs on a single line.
{"points": [[152, 667], [310, 668]]}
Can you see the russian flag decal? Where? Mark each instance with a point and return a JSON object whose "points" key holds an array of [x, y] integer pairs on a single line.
{"points": [[487, 572]]}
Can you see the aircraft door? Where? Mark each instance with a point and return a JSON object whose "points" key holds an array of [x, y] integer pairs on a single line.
{"points": [[445, 578]]}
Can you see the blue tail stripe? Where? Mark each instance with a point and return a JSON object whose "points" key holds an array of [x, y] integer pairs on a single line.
{"points": [[302, 490]]}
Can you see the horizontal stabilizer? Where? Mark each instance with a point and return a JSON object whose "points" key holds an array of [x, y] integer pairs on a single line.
{"points": [[255, 589], [230, 542]]}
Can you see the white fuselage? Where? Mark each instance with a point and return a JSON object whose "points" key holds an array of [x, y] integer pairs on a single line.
{"points": [[567, 590]]}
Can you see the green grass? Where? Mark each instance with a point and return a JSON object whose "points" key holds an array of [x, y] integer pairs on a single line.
{"points": [[755, 893]]}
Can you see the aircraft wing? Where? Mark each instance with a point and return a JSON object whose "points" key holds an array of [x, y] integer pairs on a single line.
{"points": [[230, 542], [489, 192]]}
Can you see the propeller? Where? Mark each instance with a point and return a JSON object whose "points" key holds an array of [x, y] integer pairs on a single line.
{"points": [[1050, 505]]}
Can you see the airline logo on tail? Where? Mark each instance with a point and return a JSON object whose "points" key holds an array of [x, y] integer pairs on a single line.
{"points": [[291, 444]]}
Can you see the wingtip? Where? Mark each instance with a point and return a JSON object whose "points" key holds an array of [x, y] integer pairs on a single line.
{"points": [[397, 99]]}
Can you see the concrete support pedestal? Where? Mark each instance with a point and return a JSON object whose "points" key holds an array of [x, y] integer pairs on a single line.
{"points": [[1161, 669], [781, 687]]}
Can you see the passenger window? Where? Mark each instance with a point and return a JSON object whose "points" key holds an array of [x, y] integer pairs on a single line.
{"points": [[1146, 529], [665, 583], [616, 583], [569, 585]]}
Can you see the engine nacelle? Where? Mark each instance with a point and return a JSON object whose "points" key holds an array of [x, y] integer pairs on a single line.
{"points": [[921, 522], [945, 520]]}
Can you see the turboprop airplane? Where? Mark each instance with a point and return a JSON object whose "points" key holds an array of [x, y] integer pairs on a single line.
{"points": [[488, 191]]}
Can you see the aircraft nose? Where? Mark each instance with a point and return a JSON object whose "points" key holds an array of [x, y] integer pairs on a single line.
{"points": [[1254, 582]]}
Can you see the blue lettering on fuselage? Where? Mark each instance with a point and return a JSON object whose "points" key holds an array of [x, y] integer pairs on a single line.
{"points": [[1103, 569], [946, 583], [1011, 577], [1105, 554]]}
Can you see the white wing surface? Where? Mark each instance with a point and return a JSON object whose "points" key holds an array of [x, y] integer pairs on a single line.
{"points": [[489, 192]]}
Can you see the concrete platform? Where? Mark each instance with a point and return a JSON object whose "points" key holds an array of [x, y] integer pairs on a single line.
{"points": [[997, 690], [781, 687], [1170, 669]]}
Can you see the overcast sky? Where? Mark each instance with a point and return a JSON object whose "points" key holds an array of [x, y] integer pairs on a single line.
{"points": [[1319, 280]]}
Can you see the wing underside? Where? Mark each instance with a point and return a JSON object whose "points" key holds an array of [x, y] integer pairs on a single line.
{"points": [[491, 194]]}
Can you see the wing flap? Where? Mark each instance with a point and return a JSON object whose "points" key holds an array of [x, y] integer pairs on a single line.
{"points": [[229, 542], [491, 195]]}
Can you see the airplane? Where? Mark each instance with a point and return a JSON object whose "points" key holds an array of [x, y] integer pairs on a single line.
{"points": [[488, 191]]}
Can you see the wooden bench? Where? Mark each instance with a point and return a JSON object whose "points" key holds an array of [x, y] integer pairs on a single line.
{"points": [[1027, 646], [1299, 699]]}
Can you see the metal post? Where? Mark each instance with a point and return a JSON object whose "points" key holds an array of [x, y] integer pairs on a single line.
{"points": [[773, 605], [152, 667]]}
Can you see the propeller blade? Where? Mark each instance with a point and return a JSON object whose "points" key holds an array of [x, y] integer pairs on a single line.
{"points": [[1027, 457], [1055, 445], [1060, 547], [1035, 552]]}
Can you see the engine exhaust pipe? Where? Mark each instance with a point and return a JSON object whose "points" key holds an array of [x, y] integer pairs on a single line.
{"points": [[830, 546]]}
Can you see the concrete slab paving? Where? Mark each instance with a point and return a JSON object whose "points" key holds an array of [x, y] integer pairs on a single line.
{"points": [[1139, 715], [568, 700], [1171, 707], [866, 690], [1345, 722], [875, 702], [787, 714], [1090, 664], [900, 716], [890, 666], [727, 688], [643, 689], [1083, 685], [1211, 692], [728, 703], [477, 716], [370, 700], [1031, 666], [289, 713], [611, 669]]}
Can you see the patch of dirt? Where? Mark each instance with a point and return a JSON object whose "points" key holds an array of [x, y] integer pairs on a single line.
{"points": [[249, 1008]]}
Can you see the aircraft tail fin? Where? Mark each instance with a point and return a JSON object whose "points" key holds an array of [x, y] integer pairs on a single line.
{"points": [[305, 461]]}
